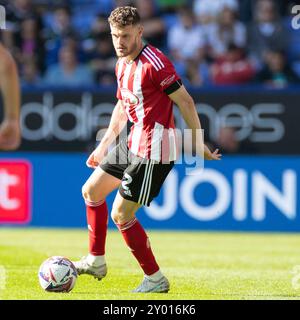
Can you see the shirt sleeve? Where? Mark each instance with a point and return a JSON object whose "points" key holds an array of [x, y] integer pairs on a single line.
{"points": [[164, 76]]}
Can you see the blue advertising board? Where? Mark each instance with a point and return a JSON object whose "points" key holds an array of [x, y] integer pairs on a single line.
{"points": [[238, 193]]}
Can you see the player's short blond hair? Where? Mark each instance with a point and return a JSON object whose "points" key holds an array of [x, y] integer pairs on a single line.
{"points": [[124, 16]]}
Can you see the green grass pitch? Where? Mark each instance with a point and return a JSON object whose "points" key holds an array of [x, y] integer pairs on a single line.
{"points": [[199, 265]]}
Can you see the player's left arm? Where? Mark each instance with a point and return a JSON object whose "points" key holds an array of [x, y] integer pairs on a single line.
{"points": [[10, 136], [189, 113], [167, 80]]}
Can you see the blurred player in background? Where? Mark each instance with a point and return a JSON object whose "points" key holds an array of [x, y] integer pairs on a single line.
{"points": [[10, 136], [147, 87]]}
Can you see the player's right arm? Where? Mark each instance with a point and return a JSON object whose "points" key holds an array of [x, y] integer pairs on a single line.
{"points": [[10, 136], [117, 123]]}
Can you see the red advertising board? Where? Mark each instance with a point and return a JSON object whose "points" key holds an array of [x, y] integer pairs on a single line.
{"points": [[15, 191]]}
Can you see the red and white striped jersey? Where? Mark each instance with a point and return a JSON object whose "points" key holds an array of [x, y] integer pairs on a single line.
{"points": [[143, 87]]}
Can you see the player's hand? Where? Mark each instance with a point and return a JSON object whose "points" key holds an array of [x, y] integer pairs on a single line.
{"points": [[208, 155], [95, 158], [10, 134]]}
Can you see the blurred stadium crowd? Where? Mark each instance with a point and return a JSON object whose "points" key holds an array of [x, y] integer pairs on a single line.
{"points": [[211, 42]]}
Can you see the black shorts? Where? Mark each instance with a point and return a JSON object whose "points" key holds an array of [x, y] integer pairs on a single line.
{"points": [[141, 178]]}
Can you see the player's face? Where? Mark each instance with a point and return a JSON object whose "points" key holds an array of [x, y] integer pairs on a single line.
{"points": [[126, 40]]}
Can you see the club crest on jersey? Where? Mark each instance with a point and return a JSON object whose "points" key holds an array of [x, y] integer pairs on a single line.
{"points": [[129, 98]]}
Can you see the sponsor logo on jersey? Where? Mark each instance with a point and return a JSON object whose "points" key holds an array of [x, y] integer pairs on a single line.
{"points": [[168, 80]]}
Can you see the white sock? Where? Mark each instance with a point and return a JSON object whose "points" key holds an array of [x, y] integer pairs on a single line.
{"points": [[95, 261], [155, 276]]}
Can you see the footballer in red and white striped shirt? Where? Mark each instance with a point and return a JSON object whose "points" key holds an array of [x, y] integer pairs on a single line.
{"points": [[143, 85], [148, 86]]}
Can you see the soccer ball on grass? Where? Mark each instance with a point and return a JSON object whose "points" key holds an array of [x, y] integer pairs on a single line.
{"points": [[57, 274]]}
